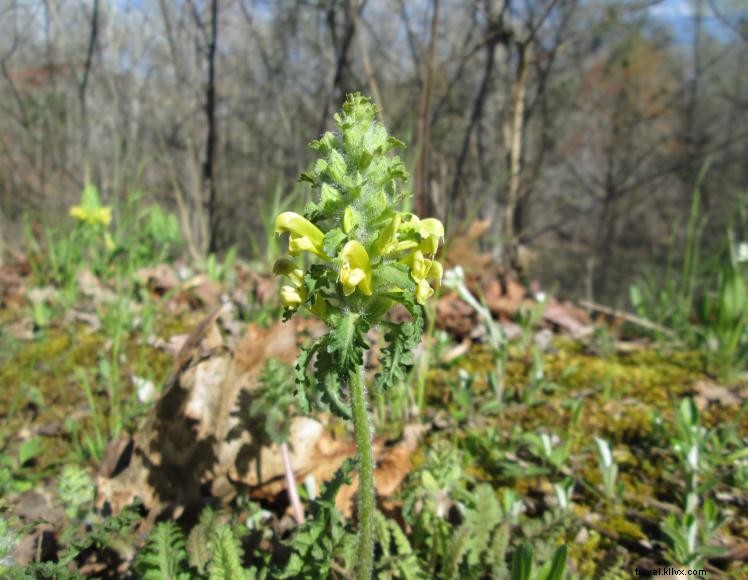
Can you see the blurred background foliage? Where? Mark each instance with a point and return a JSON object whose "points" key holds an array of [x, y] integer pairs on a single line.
{"points": [[580, 128]]}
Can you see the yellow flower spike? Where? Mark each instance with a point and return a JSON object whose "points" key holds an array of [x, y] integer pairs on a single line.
{"points": [[287, 267], [104, 215], [92, 216], [78, 213], [423, 292], [291, 297], [355, 269], [305, 236]]}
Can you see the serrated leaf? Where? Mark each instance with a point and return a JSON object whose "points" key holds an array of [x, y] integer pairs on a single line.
{"points": [[374, 138], [328, 382], [389, 277], [301, 377], [346, 341], [337, 168], [393, 142], [397, 356], [332, 241]]}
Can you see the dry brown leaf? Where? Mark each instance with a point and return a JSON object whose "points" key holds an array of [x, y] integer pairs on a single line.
{"points": [[503, 296], [200, 437], [567, 317], [454, 315], [708, 392]]}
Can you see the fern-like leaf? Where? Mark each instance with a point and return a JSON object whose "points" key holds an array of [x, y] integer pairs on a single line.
{"points": [[164, 557], [226, 556], [199, 539]]}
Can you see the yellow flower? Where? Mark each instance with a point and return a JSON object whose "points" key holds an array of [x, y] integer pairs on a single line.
{"points": [[422, 269], [291, 297], [296, 294], [423, 292], [387, 240], [92, 215], [432, 232], [287, 267], [355, 269], [305, 236]]}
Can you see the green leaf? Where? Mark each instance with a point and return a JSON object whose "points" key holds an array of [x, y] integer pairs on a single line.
{"points": [[301, 377], [397, 357], [337, 168], [389, 277], [554, 568], [333, 240], [226, 562], [346, 342], [522, 563], [164, 556], [329, 383], [29, 450]]}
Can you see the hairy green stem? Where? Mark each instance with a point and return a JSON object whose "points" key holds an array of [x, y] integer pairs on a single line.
{"points": [[366, 498]]}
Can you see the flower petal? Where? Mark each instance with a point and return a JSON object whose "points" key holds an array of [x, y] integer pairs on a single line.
{"points": [[309, 237], [291, 297]]}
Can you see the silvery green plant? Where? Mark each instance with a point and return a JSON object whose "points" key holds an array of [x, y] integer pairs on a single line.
{"points": [[688, 444], [608, 467], [564, 491], [368, 256], [691, 532], [455, 280]]}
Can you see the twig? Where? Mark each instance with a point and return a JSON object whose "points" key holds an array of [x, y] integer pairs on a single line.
{"points": [[627, 316]]}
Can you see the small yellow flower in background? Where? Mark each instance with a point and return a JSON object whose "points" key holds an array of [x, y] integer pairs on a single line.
{"points": [[355, 269], [305, 236], [92, 216], [90, 211]]}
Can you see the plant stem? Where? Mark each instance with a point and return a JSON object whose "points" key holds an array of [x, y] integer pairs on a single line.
{"points": [[362, 428], [293, 495]]}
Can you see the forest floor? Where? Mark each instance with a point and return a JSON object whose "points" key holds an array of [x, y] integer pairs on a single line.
{"points": [[589, 432]]}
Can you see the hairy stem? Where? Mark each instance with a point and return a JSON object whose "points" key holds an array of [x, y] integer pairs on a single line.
{"points": [[366, 498], [293, 495]]}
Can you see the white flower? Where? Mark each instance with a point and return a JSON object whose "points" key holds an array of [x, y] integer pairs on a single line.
{"points": [[742, 252], [146, 389], [454, 278]]}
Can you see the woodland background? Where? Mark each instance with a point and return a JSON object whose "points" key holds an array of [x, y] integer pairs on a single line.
{"points": [[579, 127]]}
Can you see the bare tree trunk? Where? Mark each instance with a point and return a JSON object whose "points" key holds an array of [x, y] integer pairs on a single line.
{"points": [[514, 132], [421, 190], [83, 85], [209, 179], [342, 48], [475, 117], [368, 70]]}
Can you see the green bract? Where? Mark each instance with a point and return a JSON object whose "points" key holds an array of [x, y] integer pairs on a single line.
{"points": [[369, 257]]}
